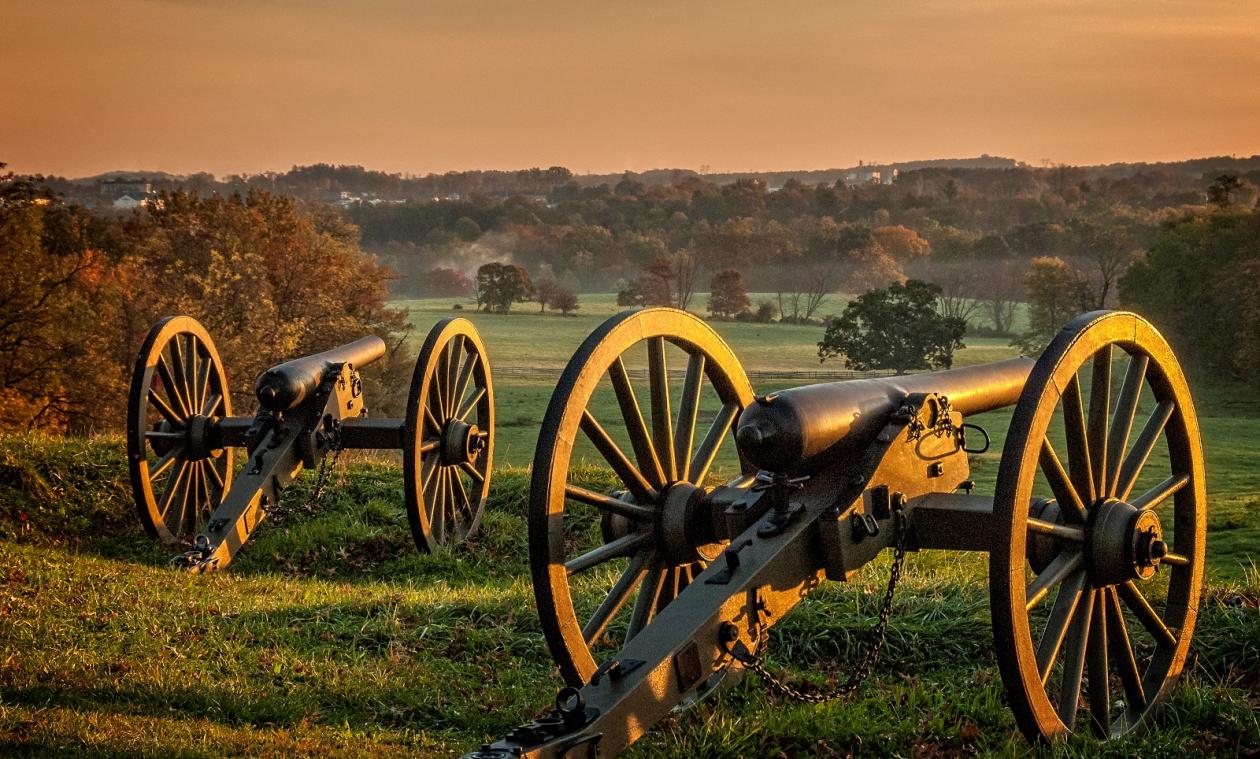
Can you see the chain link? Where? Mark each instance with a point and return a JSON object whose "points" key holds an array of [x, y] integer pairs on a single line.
{"points": [[755, 662], [323, 477]]}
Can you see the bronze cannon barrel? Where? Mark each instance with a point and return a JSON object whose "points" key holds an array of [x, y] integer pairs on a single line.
{"points": [[801, 430], [284, 386]]}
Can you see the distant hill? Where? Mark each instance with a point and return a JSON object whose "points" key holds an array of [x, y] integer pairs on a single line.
{"points": [[346, 183], [807, 176]]}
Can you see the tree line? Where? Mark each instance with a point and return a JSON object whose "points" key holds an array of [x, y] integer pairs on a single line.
{"points": [[269, 277]]}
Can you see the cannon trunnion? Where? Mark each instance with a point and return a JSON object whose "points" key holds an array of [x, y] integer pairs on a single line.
{"points": [[653, 592], [182, 436]]}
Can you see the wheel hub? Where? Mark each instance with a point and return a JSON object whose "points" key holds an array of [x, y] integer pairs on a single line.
{"points": [[1123, 543], [199, 428], [461, 443], [683, 531]]}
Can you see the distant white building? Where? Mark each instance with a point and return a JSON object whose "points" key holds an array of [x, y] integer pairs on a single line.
{"points": [[870, 175], [127, 203]]}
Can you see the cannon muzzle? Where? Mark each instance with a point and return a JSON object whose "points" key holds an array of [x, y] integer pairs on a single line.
{"points": [[284, 386], [801, 430]]}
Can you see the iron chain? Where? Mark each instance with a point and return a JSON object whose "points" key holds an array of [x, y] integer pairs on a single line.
{"points": [[322, 478], [870, 658]]}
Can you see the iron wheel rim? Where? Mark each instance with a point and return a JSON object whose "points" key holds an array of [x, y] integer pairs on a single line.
{"points": [[445, 501], [178, 375], [1070, 641], [550, 487]]}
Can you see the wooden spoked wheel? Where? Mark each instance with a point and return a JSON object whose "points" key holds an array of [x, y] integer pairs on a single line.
{"points": [[178, 388], [1098, 556], [449, 438], [605, 560]]}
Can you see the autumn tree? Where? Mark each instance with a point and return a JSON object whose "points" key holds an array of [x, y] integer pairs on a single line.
{"points": [[545, 288], [445, 282], [499, 285], [895, 328], [564, 300], [1200, 283], [728, 295], [58, 297], [1056, 292]]}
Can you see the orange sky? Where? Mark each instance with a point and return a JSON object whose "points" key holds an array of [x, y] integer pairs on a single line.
{"points": [[402, 85]]}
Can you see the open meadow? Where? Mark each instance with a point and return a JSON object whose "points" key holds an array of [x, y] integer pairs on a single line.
{"points": [[330, 636]]}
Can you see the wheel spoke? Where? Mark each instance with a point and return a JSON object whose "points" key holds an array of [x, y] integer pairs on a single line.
{"points": [[1142, 449], [622, 546], [437, 399], [1096, 658], [616, 598], [465, 376], [172, 485], [429, 469], [454, 355], [608, 503], [662, 424], [1099, 413], [1126, 411], [629, 474], [1063, 565], [213, 401], [1158, 494], [161, 465], [429, 445], [192, 374], [1074, 665], [172, 389], [218, 478], [432, 420], [1147, 615], [1061, 615], [707, 452], [1077, 440], [689, 408], [1056, 530], [637, 429], [183, 500], [203, 389], [451, 503], [179, 384], [1122, 653], [470, 404], [164, 409], [459, 496], [437, 510], [645, 603], [1064, 493], [472, 472], [202, 497]]}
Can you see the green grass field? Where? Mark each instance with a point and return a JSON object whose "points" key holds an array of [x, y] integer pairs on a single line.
{"points": [[331, 636]]}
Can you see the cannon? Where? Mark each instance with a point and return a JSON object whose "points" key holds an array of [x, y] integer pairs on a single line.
{"points": [[181, 436], [655, 592]]}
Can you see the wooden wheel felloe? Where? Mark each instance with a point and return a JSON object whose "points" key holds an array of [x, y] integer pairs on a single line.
{"points": [[449, 436], [1098, 557], [178, 388], [592, 551]]}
